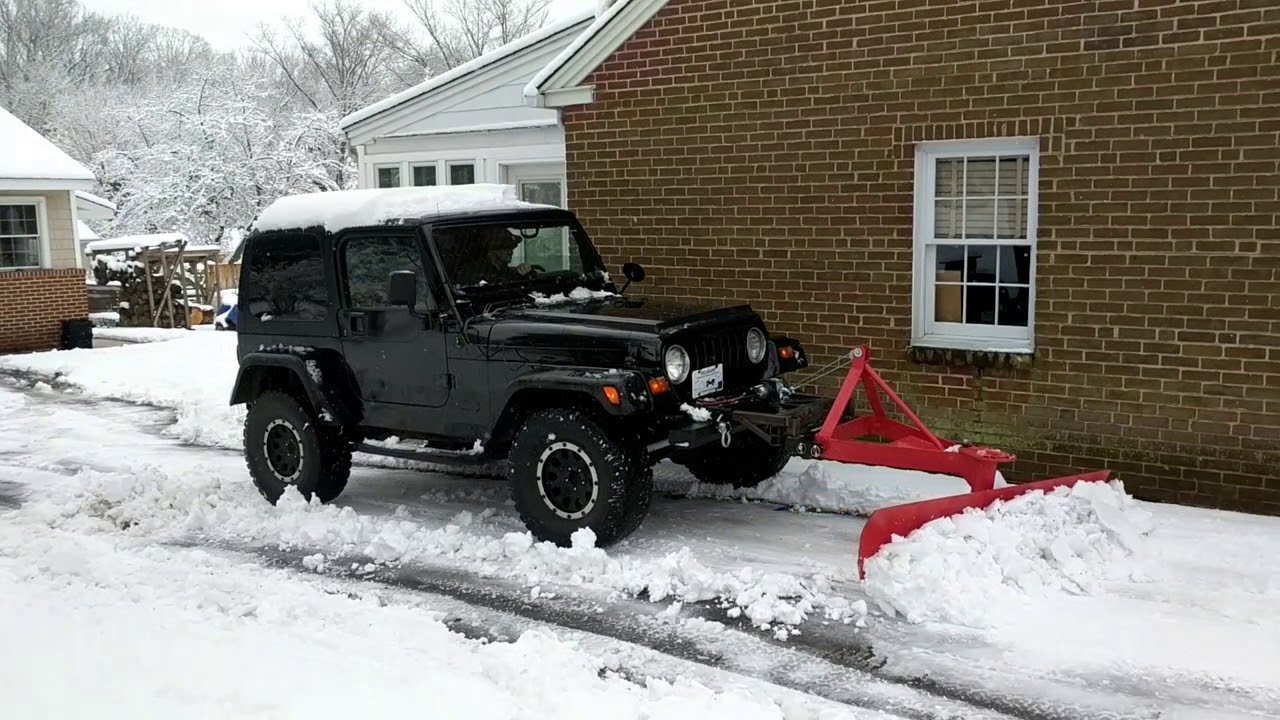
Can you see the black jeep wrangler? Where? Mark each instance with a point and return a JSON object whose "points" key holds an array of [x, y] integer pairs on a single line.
{"points": [[493, 335]]}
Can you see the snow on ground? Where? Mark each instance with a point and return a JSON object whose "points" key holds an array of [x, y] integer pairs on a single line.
{"points": [[193, 375], [831, 487], [139, 334], [1084, 584], [149, 631]]}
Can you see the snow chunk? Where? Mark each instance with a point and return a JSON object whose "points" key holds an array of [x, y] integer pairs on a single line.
{"points": [[699, 414], [577, 294], [970, 569], [516, 544], [343, 209]]}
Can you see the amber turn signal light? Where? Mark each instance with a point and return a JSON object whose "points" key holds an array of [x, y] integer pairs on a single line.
{"points": [[786, 352], [612, 395], [658, 385]]}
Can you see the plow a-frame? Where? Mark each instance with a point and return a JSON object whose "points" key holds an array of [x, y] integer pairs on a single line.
{"points": [[877, 439]]}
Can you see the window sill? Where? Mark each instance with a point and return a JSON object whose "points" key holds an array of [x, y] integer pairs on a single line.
{"points": [[973, 358]]}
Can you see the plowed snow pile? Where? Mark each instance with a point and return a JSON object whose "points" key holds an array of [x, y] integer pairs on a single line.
{"points": [[967, 569], [151, 501]]}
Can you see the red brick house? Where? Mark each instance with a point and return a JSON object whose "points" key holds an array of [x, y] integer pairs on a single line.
{"points": [[1054, 222], [42, 280]]}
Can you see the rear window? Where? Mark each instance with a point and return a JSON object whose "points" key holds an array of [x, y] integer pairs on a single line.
{"points": [[285, 279]]}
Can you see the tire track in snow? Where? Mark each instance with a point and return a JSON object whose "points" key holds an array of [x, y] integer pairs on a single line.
{"points": [[636, 622], [835, 665]]}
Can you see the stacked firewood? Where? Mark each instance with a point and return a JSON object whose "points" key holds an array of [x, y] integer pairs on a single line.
{"points": [[134, 306]]}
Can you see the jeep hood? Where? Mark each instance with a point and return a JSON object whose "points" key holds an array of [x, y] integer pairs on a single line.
{"points": [[636, 314]]}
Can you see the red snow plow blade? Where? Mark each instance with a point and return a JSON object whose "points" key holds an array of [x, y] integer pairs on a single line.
{"points": [[913, 447]]}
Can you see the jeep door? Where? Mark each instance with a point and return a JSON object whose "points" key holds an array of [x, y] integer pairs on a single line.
{"points": [[396, 354]]}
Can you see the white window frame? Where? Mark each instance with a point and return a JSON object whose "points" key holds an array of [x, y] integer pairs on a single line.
{"points": [[42, 230], [399, 167], [475, 170], [925, 331], [434, 164]]}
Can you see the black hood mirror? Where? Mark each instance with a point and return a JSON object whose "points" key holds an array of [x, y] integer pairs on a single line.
{"points": [[633, 272]]}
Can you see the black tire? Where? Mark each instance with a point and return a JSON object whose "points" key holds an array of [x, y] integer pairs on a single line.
{"points": [[747, 462], [322, 461], [567, 472]]}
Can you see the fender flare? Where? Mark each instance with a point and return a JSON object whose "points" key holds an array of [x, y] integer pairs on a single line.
{"points": [[320, 378], [633, 388]]}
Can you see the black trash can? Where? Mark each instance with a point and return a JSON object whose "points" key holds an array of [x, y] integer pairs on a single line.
{"points": [[77, 334]]}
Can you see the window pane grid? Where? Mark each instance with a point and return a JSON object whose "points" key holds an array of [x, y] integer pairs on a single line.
{"points": [[978, 235], [983, 198], [19, 237], [982, 284]]}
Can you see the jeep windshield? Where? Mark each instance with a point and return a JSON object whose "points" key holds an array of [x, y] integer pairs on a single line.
{"points": [[517, 256]]}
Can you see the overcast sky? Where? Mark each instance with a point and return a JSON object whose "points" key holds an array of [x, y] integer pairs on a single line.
{"points": [[226, 23]]}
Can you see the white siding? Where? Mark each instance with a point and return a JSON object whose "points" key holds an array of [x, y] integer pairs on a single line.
{"points": [[480, 118]]}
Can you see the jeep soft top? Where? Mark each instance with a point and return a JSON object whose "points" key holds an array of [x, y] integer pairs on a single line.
{"points": [[459, 325]]}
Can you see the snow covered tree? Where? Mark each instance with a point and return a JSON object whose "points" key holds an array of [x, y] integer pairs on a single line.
{"points": [[336, 61], [463, 30], [205, 156]]}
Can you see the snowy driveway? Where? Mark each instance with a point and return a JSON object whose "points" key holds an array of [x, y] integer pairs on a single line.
{"points": [[756, 604]]}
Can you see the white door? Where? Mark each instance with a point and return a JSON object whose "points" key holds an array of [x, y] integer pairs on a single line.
{"points": [[542, 183], [538, 182]]}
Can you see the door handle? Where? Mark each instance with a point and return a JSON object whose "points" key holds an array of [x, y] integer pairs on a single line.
{"points": [[358, 323]]}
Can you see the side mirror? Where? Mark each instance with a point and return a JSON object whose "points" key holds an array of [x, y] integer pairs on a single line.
{"points": [[633, 272], [402, 288]]}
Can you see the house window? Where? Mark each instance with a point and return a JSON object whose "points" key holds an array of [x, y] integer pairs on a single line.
{"points": [[388, 176], [424, 175], [462, 173], [19, 237], [975, 241]]}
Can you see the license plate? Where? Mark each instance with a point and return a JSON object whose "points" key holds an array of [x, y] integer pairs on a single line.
{"points": [[708, 380]]}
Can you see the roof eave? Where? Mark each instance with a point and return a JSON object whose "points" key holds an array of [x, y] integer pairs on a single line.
{"points": [[352, 122], [45, 184], [568, 71]]}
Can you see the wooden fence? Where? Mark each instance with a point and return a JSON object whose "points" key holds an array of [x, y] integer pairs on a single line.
{"points": [[228, 276]]}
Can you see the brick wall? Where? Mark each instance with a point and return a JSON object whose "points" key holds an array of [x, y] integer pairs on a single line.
{"points": [[33, 305], [764, 151]]}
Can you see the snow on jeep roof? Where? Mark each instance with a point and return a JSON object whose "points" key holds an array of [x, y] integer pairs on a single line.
{"points": [[343, 209]]}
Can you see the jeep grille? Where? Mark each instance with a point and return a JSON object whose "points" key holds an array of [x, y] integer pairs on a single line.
{"points": [[728, 346]]}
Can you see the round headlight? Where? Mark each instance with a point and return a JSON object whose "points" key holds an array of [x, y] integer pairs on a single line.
{"points": [[677, 361], [756, 345]]}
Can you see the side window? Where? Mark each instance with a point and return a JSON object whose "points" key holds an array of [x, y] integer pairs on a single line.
{"points": [[286, 279], [369, 262]]}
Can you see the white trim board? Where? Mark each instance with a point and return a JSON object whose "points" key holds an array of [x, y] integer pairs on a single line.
{"points": [[510, 65], [559, 83]]}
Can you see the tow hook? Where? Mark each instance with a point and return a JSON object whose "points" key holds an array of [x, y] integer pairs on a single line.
{"points": [[726, 434]]}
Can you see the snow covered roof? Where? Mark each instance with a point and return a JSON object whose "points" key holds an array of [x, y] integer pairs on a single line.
{"points": [[85, 233], [129, 242], [464, 69], [31, 162], [93, 207], [559, 83], [343, 209]]}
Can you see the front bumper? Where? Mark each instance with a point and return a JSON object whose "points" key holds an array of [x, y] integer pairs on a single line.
{"points": [[789, 421]]}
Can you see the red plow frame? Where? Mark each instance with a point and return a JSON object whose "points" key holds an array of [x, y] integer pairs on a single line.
{"points": [[913, 447]]}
